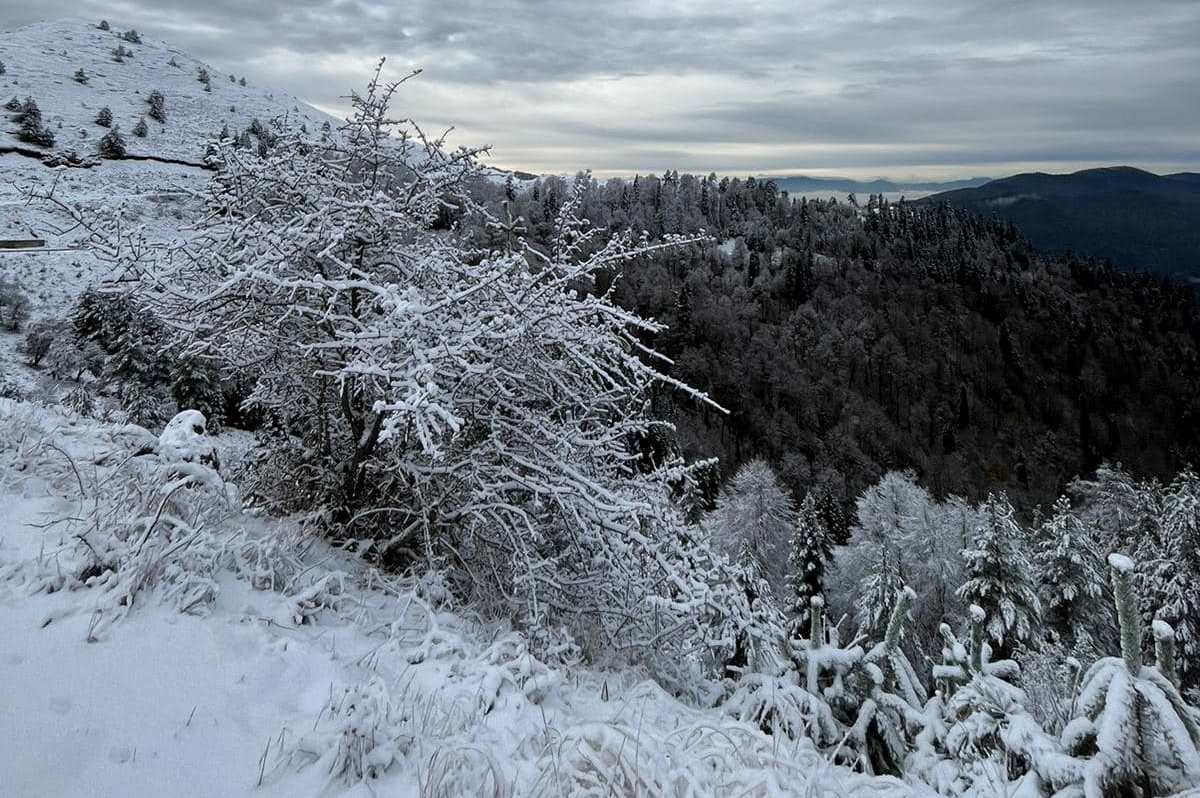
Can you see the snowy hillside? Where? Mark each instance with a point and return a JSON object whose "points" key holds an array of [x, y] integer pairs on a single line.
{"points": [[42, 59], [272, 664]]}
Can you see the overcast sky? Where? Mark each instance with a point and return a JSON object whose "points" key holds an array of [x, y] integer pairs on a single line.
{"points": [[931, 89]]}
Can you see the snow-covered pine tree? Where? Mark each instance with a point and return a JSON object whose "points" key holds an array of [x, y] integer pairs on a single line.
{"points": [[104, 117], [80, 76], [1000, 577], [1071, 576], [1136, 735], [878, 592], [811, 548], [195, 384], [140, 130], [1172, 578], [756, 514]]}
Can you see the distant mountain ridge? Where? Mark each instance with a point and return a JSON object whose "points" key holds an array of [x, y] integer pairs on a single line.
{"points": [[802, 184], [1137, 219]]}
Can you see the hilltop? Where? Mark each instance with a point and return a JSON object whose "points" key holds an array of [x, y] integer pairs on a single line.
{"points": [[1137, 219], [42, 59]]}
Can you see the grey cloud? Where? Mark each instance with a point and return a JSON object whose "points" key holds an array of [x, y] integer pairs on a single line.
{"points": [[707, 85]]}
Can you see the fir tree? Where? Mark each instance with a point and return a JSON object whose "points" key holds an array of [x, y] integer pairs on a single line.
{"points": [[1175, 575], [1000, 578], [1072, 577], [13, 105], [158, 102], [104, 117], [112, 145], [104, 25], [811, 548], [195, 384], [132, 36], [879, 591], [140, 130], [80, 76]]}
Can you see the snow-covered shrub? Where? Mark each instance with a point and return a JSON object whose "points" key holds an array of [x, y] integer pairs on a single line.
{"points": [[104, 25], [14, 306], [39, 340], [13, 104], [360, 734], [104, 119], [476, 411], [132, 36], [140, 129], [80, 76]]}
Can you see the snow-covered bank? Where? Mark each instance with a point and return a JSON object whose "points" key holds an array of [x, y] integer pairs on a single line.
{"points": [[336, 679]]}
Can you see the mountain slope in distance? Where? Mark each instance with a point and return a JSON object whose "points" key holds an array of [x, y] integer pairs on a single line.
{"points": [[1137, 219], [41, 61]]}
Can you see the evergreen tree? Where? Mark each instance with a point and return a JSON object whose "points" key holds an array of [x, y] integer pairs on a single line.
{"points": [[104, 117], [811, 548], [3, 69], [1000, 578], [158, 102], [80, 76], [1175, 573], [879, 591], [195, 384], [31, 129], [104, 25], [140, 130], [112, 145], [1072, 577]]}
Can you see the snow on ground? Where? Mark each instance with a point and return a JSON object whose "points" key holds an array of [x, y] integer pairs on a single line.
{"points": [[313, 684], [41, 60]]}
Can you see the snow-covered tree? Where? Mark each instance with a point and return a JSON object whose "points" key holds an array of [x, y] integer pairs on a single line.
{"points": [[1000, 577], [1071, 575], [140, 130], [756, 514], [474, 411], [1170, 576], [1136, 735], [878, 592], [112, 144], [104, 117], [158, 106], [811, 549], [80, 76]]}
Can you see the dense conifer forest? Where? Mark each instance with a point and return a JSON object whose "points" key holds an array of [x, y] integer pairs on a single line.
{"points": [[850, 338]]}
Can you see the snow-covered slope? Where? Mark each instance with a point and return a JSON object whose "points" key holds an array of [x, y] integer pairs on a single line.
{"points": [[41, 60], [299, 670]]}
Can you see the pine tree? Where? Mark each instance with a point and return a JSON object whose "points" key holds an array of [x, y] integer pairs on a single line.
{"points": [[1000, 578], [158, 102], [1175, 578], [80, 76], [879, 590], [112, 145], [811, 548], [1072, 577], [3, 69], [31, 130], [104, 117], [104, 25], [140, 130], [195, 384]]}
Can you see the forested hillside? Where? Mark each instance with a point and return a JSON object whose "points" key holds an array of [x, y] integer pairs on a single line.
{"points": [[846, 341], [1136, 219]]}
